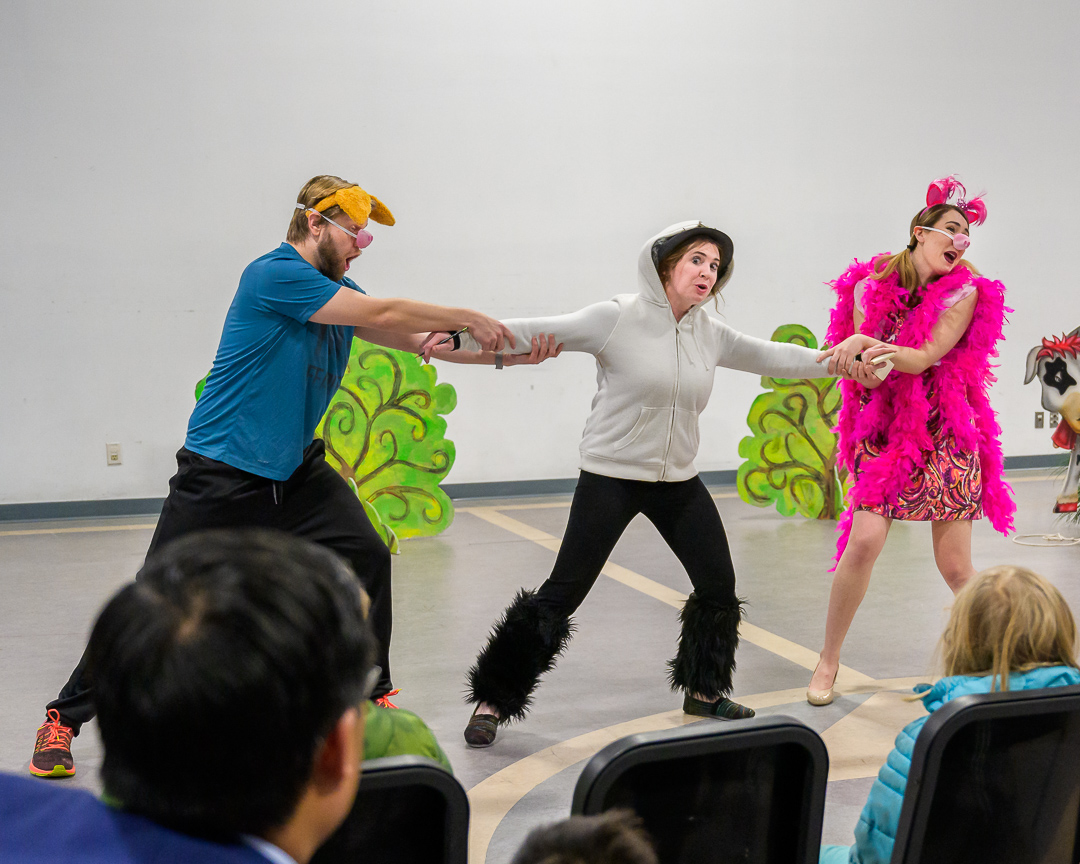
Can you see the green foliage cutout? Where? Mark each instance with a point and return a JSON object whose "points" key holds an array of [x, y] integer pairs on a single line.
{"points": [[384, 434], [792, 454]]}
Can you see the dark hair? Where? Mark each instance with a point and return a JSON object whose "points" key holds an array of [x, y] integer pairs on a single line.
{"points": [[219, 671], [614, 837]]}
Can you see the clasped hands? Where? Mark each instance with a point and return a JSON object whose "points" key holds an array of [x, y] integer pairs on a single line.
{"points": [[544, 347], [854, 358]]}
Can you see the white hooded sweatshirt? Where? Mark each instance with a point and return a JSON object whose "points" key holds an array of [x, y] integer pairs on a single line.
{"points": [[654, 374]]}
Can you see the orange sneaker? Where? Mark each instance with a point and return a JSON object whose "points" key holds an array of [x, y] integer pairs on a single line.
{"points": [[384, 700], [52, 752]]}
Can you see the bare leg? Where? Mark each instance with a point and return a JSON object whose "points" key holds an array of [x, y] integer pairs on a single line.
{"points": [[952, 552], [868, 533], [484, 708]]}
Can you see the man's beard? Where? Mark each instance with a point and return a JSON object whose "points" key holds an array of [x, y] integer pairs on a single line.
{"points": [[330, 263]]}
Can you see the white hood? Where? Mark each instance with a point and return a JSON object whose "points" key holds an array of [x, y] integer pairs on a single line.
{"points": [[651, 287]]}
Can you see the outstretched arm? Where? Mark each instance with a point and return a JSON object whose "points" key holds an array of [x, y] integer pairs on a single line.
{"points": [[542, 348], [586, 330], [764, 357], [947, 331], [398, 315]]}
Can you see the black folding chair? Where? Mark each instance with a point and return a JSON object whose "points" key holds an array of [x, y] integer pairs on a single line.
{"points": [[751, 791], [408, 809], [995, 777]]}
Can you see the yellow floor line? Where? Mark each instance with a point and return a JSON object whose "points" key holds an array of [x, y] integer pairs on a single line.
{"points": [[549, 505], [859, 743], [539, 505], [495, 796], [791, 651], [492, 798], [87, 529]]}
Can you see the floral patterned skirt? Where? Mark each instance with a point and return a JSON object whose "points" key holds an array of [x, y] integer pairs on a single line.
{"points": [[948, 488]]}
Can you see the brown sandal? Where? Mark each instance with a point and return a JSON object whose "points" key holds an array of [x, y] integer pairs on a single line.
{"points": [[481, 729]]}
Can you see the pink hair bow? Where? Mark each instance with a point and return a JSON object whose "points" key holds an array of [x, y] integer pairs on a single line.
{"points": [[942, 189]]}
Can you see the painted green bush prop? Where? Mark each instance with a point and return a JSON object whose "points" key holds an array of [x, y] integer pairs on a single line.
{"points": [[791, 457], [384, 433]]}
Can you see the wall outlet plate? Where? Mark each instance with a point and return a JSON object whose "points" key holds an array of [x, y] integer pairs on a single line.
{"points": [[1054, 419], [112, 454]]}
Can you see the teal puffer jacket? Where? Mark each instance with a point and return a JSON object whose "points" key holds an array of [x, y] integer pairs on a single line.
{"points": [[876, 831]]}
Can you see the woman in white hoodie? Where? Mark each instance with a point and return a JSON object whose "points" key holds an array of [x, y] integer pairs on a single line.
{"points": [[656, 353]]}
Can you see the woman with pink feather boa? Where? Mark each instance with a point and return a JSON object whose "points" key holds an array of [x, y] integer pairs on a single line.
{"points": [[922, 443]]}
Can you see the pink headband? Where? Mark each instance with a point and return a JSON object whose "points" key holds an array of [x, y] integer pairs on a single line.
{"points": [[942, 190]]}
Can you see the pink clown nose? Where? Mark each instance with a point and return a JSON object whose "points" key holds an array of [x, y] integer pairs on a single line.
{"points": [[961, 241], [364, 238]]}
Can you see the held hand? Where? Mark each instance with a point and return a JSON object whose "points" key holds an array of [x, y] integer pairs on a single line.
{"points": [[492, 335], [842, 356], [430, 345], [543, 348], [875, 351], [862, 373]]}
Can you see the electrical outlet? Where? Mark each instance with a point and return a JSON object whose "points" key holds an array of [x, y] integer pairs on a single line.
{"points": [[1054, 420], [1039, 419], [112, 454]]}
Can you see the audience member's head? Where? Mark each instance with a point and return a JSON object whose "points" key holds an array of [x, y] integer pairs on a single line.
{"points": [[228, 681], [614, 837], [1008, 619]]}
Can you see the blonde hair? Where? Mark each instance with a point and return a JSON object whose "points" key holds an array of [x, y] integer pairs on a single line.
{"points": [[1008, 619], [313, 192], [901, 262]]}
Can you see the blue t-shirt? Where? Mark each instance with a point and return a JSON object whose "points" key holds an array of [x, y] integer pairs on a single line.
{"points": [[275, 372]]}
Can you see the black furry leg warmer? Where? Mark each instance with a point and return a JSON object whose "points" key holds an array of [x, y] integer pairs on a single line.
{"points": [[523, 646], [705, 660]]}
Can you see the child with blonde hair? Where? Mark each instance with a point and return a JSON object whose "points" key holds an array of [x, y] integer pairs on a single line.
{"points": [[1009, 629]]}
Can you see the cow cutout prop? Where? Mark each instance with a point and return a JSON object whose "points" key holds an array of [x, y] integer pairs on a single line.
{"points": [[1057, 364]]}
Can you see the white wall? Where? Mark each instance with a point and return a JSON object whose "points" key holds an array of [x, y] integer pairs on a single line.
{"points": [[152, 149]]}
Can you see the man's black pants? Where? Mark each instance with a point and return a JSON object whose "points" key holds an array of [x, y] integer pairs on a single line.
{"points": [[314, 503]]}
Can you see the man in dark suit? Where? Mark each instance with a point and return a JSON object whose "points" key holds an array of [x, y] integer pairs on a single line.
{"points": [[230, 682]]}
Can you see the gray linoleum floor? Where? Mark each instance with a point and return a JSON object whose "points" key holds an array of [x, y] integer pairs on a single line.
{"points": [[449, 589]]}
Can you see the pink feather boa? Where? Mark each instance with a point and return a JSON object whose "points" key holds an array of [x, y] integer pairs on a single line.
{"points": [[898, 410]]}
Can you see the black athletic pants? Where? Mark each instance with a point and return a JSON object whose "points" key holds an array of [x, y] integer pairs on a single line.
{"points": [[314, 503], [684, 513]]}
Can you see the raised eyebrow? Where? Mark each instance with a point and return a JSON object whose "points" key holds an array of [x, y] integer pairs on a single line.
{"points": [[959, 227]]}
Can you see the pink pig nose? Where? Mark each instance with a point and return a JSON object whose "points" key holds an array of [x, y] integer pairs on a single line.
{"points": [[364, 238], [961, 241]]}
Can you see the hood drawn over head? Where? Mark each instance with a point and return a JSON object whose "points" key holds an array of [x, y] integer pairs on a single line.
{"points": [[657, 247]]}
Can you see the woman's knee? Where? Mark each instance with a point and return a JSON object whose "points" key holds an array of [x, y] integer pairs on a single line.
{"points": [[864, 546], [955, 570]]}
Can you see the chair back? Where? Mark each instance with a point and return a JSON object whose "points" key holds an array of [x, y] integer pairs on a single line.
{"points": [[995, 777], [751, 791], [408, 809]]}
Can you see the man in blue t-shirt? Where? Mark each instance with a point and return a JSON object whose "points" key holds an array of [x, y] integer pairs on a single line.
{"points": [[249, 458]]}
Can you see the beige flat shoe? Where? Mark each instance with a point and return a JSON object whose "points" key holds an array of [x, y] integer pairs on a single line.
{"points": [[821, 697]]}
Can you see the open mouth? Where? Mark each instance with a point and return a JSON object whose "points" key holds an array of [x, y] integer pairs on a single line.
{"points": [[951, 257]]}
